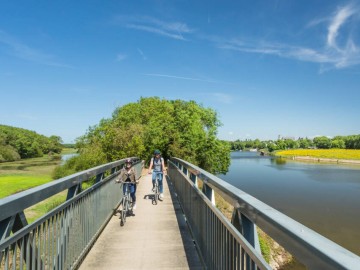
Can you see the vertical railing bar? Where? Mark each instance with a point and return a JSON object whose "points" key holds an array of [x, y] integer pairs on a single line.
{"points": [[51, 243], [63, 239], [222, 245], [39, 247], [56, 255], [44, 245], [217, 236], [14, 257], [33, 249], [238, 255], [21, 253], [6, 262], [28, 250], [66, 257], [212, 238]]}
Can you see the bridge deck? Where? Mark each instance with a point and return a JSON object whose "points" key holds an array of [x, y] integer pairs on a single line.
{"points": [[157, 237]]}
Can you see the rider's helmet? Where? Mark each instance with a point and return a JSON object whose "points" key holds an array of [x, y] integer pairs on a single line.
{"points": [[157, 152], [128, 162]]}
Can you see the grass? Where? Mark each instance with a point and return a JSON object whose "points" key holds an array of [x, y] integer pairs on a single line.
{"points": [[322, 153], [24, 174], [66, 151], [21, 175], [10, 184], [39, 209]]}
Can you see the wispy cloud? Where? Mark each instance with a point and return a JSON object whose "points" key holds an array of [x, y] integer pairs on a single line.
{"points": [[25, 52], [185, 78], [142, 54], [331, 54], [340, 17], [120, 57], [174, 30]]}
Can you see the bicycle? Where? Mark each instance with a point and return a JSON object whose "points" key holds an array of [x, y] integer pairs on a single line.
{"points": [[156, 189], [126, 205]]}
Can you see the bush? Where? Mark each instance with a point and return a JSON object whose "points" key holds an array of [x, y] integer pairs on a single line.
{"points": [[8, 153]]}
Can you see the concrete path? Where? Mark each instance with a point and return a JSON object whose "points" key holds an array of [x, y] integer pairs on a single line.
{"points": [[157, 237]]}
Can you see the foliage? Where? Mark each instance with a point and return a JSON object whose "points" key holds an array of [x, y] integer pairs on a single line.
{"points": [[265, 248], [177, 128], [18, 142], [321, 142], [323, 153], [8, 153]]}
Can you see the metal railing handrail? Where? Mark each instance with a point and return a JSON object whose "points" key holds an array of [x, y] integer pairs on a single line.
{"points": [[308, 246], [61, 238], [15, 203]]}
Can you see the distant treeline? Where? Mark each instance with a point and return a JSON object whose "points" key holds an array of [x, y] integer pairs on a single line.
{"points": [[68, 145], [341, 142], [18, 143]]}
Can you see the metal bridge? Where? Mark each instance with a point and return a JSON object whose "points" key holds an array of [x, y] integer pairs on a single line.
{"points": [[185, 231]]}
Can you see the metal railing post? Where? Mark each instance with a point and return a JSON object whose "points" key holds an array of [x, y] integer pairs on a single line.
{"points": [[235, 244], [209, 193]]}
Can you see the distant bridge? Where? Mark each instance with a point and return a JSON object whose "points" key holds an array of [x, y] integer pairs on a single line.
{"points": [[185, 231]]}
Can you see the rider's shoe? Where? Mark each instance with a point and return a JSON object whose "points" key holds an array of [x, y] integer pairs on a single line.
{"points": [[161, 196], [153, 189], [134, 206]]}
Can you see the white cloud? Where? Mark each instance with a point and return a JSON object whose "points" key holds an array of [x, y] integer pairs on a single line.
{"points": [[25, 52], [174, 30], [340, 17], [332, 54]]}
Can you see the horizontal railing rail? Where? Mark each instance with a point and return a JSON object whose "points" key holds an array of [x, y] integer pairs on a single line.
{"points": [[234, 245], [61, 238]]}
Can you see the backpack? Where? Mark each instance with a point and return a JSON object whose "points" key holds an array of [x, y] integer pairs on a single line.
{"points": [[161, 162]]}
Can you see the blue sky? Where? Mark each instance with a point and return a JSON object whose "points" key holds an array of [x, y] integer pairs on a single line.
{"points": [[268, 68]]}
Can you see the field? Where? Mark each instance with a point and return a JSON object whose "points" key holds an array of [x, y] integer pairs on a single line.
{"points": [[24, 174], [21, 175], [348, 154]]}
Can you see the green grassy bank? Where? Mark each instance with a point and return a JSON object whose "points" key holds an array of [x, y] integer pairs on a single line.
{"points": [[24, 174]]}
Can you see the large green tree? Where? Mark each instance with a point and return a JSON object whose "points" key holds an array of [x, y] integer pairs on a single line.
{"points": [[177, 128], [18, 142]]}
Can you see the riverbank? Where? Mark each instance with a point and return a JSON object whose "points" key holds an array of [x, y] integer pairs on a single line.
{"points": [[327, 160], [340, 156]]}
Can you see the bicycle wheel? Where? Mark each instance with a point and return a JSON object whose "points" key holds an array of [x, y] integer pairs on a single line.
{"points": [[124, 211], [156, 193]]}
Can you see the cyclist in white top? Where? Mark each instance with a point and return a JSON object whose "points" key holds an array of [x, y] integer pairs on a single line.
{"points": [[157, 164]]}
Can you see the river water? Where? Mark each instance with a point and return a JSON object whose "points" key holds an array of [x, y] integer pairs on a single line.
{"points": [[323, 197]]}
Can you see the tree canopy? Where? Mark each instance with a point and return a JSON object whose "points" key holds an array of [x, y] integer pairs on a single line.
{"points": [[321, 142], [178, 128], [16, 143]]}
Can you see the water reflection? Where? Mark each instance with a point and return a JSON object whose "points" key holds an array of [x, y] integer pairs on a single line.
{"points": [[324, 197]]}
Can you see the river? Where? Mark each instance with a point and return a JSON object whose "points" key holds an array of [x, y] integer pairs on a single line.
{"points": [[323, 197]]}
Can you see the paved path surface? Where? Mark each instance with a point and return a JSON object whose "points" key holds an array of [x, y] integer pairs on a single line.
{"points": [[157, 237]]}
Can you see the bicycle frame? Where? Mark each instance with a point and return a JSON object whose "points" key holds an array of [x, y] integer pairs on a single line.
{"points": [[125, 204], [157, 191]]}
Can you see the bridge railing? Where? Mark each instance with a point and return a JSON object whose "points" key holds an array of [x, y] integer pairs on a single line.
{"points": [[61, 238], [234, 245]]}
